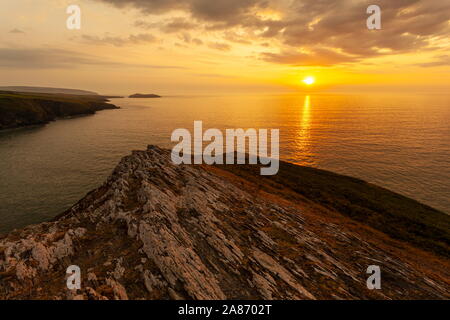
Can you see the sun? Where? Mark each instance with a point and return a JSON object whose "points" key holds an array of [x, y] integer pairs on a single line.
{"points": [[309, 81]]}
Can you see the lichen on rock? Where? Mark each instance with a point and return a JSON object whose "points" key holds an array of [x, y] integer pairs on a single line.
{"points": [[155, 230]]}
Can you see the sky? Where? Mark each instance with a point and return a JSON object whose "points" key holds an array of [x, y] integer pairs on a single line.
{"points": [[205, 46]]}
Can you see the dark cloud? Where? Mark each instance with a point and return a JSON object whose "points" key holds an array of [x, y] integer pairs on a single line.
{"points": [[178, 24], [120, 41], [146, 25], [49, 58], [150, 6], [186, 37], [335, 31], [231, 11], [209, 10]]}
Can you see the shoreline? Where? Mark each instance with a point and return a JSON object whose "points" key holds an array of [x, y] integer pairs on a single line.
{"points": [[21, 110], [154, 230], [250, 172]]}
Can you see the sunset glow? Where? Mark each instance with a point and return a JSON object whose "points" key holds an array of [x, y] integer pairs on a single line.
{"points": [[309, 81], [201, 153], [225, 46]]}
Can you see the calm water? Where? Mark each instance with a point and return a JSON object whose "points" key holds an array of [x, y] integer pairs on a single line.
{"points": [[399, 142]]}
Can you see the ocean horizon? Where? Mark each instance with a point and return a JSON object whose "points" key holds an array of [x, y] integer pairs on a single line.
{"points": [[396, 141]]}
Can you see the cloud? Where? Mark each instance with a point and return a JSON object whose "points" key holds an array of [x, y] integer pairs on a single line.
{"points": [[178, 24], [319, 57], [17, 31], [167, 26], [186, 37], [42, 58], [234, 37], [47, 58], [230, 11], [342, 26], [440, 61], [213, 75], [197, 41], [219, 46], [120, 41], [146, 25], [334, 31]]}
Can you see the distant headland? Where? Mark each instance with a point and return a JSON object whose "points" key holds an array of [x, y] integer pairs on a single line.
{"points": [[26, 105], [26, 108], [140, 95], [48, 90]]}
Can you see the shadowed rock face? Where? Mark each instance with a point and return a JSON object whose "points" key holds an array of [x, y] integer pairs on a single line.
{"points": [[155, 230], [26, 109]]}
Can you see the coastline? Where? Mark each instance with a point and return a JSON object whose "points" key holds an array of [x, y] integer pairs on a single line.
{"points": [[396, 215], [26, 109], [138, 242]]}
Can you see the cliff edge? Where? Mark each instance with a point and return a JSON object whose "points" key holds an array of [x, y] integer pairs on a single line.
{"points": [[155, 230], [25, 109]]}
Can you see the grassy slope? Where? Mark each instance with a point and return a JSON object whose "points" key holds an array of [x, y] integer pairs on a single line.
{"points": [[21, 109], [395, 215]]}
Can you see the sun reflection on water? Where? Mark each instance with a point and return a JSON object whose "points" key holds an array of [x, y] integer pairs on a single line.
{"points": [[303, 136]]}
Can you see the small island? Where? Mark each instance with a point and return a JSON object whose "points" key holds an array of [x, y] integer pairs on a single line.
{"points": [[140, 95]]}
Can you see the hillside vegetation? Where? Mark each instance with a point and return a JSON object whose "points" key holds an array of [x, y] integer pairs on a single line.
{"points": [[24, 109], [399, 217]]}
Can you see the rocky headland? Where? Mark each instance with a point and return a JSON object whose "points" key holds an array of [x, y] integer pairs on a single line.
{"points": [[19, 109], [48, 90], [155, 230]]}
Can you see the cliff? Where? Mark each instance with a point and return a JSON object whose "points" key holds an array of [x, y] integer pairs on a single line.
{"points": [[155, 230], [24, 109]]}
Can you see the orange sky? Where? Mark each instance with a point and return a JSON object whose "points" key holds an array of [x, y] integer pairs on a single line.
{"points": [[203, 46]]}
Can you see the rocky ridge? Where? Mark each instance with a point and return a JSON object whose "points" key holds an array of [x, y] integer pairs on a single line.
{"points": [[155, 230]]}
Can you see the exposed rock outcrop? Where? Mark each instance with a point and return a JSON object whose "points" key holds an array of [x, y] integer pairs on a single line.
{"points": [[155, 230]]}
